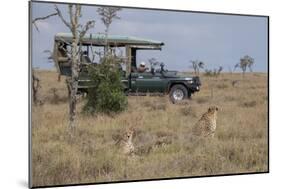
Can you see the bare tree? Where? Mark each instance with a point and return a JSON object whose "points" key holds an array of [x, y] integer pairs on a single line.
{"points": [[78, 31], [197, 65], [74, 26], [107, 15]]}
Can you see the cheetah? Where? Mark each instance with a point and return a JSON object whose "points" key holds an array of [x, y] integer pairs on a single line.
{"points": [[206, 125], [125, 142]]}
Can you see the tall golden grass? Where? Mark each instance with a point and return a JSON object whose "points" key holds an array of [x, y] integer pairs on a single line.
{"points": [[164, 146]]}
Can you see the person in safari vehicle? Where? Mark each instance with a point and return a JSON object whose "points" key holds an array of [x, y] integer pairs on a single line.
{"points": [[142, 67]]}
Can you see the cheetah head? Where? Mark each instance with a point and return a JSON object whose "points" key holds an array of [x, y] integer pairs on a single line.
{"points": [[129, 134], [213, 109]]}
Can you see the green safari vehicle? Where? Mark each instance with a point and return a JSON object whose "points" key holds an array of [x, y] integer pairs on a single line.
{"points": [[156, 81]]}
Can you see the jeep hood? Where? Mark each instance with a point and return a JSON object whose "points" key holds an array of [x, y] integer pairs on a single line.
{"points": [[171, 74]]}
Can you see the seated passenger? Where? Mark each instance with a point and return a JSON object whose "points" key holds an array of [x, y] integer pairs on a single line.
{"points": [[142, 67]]}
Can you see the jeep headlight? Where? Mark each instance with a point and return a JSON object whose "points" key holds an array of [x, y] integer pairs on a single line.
{"points": [[190, 81]]}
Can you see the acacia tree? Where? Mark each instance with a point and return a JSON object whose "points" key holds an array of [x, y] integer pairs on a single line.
{"points": [[245, 62], [78, 31], [108, 14]]}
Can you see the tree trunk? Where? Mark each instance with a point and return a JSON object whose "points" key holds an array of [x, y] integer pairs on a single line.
{"points": [[59, 77], [73, 81], [35, 87]]}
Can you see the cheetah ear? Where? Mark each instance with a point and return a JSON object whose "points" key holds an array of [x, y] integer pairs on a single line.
{"points": [[209, 109]]}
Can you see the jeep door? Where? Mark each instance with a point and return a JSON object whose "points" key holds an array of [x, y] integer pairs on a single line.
{"points": [[147, 82]]}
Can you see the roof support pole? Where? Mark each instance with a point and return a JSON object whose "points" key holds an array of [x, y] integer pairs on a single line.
{"points": [[134, 57], [128, 60]]}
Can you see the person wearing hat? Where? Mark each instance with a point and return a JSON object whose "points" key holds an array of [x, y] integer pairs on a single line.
{"points": [[142, 67]]}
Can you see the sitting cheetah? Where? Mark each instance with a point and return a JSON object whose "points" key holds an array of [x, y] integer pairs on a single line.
{"points": [[125, 142], [206, 125]]}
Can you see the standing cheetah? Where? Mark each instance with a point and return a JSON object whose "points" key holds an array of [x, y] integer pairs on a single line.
{"points": [[125, 142], [206, 125]]}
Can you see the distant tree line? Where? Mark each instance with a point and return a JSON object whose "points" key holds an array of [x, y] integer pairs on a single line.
{"points": [[245, 63]]}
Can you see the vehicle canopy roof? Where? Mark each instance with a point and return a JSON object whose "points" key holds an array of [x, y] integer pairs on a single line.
{"points": [[131, 44], [112, 40]]}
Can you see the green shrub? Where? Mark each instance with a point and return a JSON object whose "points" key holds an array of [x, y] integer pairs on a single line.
{"points": [[107, 94]]}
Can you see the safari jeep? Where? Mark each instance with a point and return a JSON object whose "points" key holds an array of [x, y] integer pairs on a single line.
{"points": [[156, 81]]}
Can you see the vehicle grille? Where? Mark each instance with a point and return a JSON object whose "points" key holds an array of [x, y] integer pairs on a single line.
{"points": [[196, 80]]}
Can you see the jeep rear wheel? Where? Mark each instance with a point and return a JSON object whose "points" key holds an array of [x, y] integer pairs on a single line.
{"points": [[178, 93]]}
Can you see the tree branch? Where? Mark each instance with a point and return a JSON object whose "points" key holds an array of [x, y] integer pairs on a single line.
{"points": [[72, 19], [62, 18], [42, 18], [90, 24]]}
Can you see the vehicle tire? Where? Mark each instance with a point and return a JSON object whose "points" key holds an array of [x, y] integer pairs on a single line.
{"points": [[178, 93]]}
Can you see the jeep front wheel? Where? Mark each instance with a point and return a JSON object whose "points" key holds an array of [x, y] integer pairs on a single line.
{"points": [[178, 93]]}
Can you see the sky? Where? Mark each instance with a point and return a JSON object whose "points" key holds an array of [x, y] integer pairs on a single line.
{"points": [[215, 39]]}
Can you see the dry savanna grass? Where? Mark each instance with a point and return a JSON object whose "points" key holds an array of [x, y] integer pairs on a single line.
{"points": [[163, 144]]}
